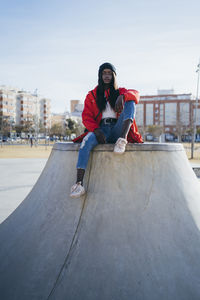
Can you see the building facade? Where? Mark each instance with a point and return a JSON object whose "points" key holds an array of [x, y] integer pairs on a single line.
{"points": [[45, 112], [73, 104], [57, 118], [173, 112], [20, 108], [27, 108], [8, 104]]}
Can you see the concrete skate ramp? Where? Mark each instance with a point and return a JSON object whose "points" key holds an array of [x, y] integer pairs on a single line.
{"points": [[135, 235]]}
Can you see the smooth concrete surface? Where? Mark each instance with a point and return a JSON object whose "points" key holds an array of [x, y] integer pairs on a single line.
{"points": [[134, 235], [17, 177]]}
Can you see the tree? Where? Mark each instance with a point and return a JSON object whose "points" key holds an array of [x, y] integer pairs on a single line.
{"points": [[56, 129], [79, 128], [4, 125], [183, 126], [198, 130], [18, 129], [28, 126], [142, 130], [155, 130], [73, 127], [42, 129], [70, 124]]}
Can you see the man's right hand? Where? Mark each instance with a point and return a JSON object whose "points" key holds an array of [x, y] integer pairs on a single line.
{"points": [[101, 139]]}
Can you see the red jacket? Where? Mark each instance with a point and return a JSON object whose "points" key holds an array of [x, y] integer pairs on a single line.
{"points": [[91, 117]]}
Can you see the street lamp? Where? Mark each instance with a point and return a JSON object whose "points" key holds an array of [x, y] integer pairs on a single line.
{"points": [[196, 104], [36, 116], [1, 116], [195, 112]]}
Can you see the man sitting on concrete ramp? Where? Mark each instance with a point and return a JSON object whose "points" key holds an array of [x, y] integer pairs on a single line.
{"points": [[109, 117]]}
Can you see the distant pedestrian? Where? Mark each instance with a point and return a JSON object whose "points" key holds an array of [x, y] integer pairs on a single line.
{"points": [[31, 141]]}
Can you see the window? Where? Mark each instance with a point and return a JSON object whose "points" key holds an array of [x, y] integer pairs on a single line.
{"points": [[184, 113], [149, 114], [139, 114], [198, 116], [170, 113]]}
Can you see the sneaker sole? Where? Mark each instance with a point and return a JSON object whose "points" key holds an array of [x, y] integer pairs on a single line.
{"points": [[118, 153], [77, 196]]}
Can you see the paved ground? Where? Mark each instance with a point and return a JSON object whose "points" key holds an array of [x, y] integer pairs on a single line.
{"points": [[17, 177], [24, 151], [134, 235]]}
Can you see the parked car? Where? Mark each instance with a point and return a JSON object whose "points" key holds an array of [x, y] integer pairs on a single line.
{"points": [[10, 140], [149, 137], [186, 138]]}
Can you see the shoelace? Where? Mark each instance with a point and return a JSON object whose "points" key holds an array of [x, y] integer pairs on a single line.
{"points": [[75, 187], [121, 143]]}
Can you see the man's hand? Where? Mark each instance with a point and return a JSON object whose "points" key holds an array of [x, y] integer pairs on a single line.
{"points": [[119, 103], [101, 139]]}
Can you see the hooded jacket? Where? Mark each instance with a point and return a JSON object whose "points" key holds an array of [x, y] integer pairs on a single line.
{"points": [[91, 115]]}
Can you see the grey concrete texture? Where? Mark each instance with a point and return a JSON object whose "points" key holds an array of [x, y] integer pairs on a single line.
{"points": [[134, 235], [17, 177]]}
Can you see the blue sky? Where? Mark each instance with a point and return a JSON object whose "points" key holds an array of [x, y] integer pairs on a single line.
{"points": [[57, 46]]}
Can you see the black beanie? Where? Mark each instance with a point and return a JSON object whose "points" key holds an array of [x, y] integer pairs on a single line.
{"points": [[106, 66]]}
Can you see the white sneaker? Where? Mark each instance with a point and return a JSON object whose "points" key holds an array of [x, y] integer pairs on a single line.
{"points": [[77, 190], [120, 146]]}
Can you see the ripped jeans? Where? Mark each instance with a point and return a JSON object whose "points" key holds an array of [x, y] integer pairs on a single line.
{"points": [[111, 131]]}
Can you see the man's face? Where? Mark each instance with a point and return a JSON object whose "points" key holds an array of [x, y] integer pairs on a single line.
{"points": [[107, 76]]}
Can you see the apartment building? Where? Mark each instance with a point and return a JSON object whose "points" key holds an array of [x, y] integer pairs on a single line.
{"points": [[167, 109], [76, 110], [73, 104], [19, 107], [45, 112], [8, 104], [58, 118], [27, 108]]}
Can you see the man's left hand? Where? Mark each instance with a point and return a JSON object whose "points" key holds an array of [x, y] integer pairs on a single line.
{"points": [[119, 103]]}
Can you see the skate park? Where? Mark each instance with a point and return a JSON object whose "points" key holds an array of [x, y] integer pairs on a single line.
{"points": [[134, 235]]}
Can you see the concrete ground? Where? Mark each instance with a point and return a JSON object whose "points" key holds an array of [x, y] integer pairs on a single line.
{"points": [[24, 151], [138, 240], [17, 177]]}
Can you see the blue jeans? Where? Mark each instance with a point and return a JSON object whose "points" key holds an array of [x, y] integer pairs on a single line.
{"points": [[111, 131]]}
